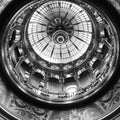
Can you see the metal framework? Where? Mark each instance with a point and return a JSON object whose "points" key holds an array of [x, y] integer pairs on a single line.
{"points": [[60, 52]]}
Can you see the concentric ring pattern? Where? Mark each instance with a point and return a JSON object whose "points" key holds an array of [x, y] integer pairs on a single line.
{"points": [[60, 52], [60, 14]]}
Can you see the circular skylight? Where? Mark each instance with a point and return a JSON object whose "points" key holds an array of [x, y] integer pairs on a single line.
{"points": [[60, 20]]}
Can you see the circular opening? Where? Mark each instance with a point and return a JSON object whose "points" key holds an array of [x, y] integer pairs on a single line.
{"points": [[60, 39]]}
